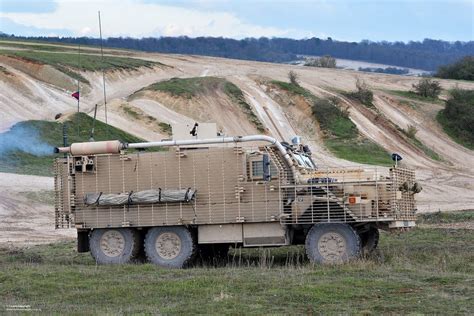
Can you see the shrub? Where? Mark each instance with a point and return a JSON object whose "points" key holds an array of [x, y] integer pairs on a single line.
{"points": [[411, 131], [363, 94], [457, 118], [293, 76], [427, 88], [324, 62]]}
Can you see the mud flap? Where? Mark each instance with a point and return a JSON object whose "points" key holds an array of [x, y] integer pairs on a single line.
{"points": [[83, 241]]}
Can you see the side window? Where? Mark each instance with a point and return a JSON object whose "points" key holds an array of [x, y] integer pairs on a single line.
{"points": [[257, 169]]}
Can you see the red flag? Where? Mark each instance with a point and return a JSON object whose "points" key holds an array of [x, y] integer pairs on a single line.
{"points": [[75, 95]]}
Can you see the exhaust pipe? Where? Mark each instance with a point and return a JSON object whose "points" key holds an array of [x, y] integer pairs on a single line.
{"points": [[92, 148]]}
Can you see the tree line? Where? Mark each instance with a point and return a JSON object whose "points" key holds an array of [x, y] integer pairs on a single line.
{"points": [[428, 54]]}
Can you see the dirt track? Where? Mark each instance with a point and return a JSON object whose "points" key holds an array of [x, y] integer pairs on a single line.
{"points": [[29, 94], [26, 212]]}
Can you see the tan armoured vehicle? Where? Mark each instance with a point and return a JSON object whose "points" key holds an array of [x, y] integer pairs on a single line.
{"points": [[203, 194]]}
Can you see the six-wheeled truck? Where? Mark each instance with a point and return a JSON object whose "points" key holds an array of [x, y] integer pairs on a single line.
{"points": [[205, 195]]}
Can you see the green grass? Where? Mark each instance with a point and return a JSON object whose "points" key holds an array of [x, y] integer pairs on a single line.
{"points": [[50, 133], [292, 88], [341, 136], [453, 131], [412, 95], [446, 217], [31, 45], [187, 87], [424, 271], [68, 63], [359, 150]]}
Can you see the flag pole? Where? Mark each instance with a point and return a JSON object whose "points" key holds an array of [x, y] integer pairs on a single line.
{"points": [[78, 83]]}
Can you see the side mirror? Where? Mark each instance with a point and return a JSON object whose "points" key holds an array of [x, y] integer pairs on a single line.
{"points": [[266, 167]]}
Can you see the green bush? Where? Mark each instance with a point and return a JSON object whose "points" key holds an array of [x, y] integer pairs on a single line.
{"points": [[457, 118], [461, 70], [427, 88]]}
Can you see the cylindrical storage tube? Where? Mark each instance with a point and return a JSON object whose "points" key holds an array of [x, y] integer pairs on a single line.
{"points": [[94, 148]]}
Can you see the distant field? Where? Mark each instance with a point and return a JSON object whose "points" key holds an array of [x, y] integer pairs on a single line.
{"points": [[424, 271], [68, 61]]}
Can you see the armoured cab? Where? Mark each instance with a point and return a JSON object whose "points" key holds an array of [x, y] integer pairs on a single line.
{"points": [[209, 193]]}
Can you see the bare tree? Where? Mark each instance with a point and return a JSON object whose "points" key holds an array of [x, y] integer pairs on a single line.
{"points": [[293, 76]]}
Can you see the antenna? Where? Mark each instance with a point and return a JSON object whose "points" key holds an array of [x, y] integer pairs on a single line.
{"points": [[78, 84], [91, 138], [103, 76]]}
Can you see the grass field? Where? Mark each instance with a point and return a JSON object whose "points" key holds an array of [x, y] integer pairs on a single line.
{"points": [[341, 136], [68, 62], [51, 134], [412, 95], [424, 271]]}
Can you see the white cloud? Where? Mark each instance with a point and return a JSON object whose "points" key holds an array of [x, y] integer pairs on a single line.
{"points": [[131, 18]]}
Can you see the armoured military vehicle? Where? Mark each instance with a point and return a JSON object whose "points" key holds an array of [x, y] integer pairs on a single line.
{"points": [[202, 193]]}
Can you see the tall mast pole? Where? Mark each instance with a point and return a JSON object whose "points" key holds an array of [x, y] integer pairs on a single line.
{"points": [[103, 75]]}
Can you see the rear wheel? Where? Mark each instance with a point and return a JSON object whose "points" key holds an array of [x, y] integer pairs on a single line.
{"points": [[170, 247], [332, 243], [114, 245]]}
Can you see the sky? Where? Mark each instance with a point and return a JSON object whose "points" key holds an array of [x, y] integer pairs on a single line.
{"points": [[345, 20]]}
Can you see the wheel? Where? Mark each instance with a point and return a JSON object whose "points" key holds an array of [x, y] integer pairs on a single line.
{"points": [[332, 243], [213, 253], [369, 240], [170, 247], [113, 245]]}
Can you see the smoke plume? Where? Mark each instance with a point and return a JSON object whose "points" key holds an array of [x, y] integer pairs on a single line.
{"points": [[23, 138]]}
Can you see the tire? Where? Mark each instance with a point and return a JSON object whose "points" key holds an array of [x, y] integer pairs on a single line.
{"points": [[369, 240], [329, 243], [113, 245], [169, 247], [213, 253]]}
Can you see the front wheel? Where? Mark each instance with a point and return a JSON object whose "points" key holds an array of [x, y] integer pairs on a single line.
{"points": [[113, 245], [329, 243], [170, 247]]}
